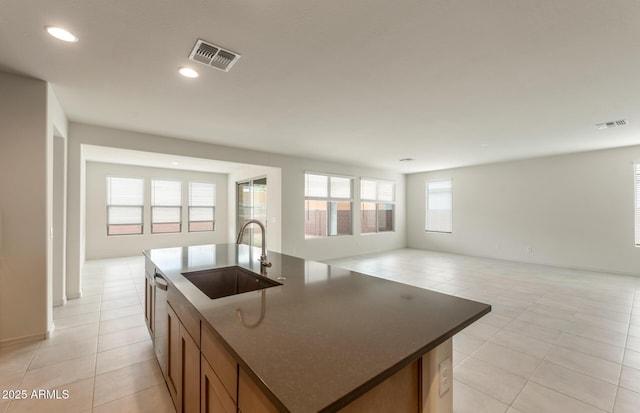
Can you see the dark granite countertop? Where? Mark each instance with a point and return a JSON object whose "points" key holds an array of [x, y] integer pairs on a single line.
{"points": [[327, 335]]}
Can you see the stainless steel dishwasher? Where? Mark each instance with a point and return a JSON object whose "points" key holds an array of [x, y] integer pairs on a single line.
{"points": [[161, 341]]}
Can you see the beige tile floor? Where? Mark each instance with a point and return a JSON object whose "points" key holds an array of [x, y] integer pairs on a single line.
{"points": [[557, 340], [100, 351]]}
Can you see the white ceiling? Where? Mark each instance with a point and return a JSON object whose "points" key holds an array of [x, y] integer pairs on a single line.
{"points": [[361, 81]]}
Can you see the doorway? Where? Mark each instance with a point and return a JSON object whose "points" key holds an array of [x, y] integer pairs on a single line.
{"points": [[251, 203]]}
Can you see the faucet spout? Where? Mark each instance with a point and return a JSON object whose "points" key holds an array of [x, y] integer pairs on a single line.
{"points": [[263, 257]]}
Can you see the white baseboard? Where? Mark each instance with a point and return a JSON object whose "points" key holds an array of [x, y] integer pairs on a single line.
{"points": [[23, 339], [60, 302], [50, 330], [74, 296]]}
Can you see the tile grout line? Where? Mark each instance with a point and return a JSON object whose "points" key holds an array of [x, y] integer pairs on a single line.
{"points": [[635, 296], [95, 367], [24, 374], [132, 279], [571, 397], [539, 363]]}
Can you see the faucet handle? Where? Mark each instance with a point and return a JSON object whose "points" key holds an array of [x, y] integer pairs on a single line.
{"points": [[264, 261]]}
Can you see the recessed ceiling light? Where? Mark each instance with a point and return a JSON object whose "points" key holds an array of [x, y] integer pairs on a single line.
{"points": [[406, 159], [175, 163], [188, 72], [484, 145], [61, 34]]}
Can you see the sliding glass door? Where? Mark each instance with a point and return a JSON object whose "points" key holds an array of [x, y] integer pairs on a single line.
{"points": [[251, 204]]}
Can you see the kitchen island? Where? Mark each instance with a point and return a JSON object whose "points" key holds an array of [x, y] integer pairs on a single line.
{"points": [[326, 339]]}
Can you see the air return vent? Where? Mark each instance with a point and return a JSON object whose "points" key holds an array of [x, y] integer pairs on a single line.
{"points": [[612, 124], [214, 56]]}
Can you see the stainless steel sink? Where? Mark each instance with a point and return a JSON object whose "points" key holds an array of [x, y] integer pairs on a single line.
{"points": [[222, 282]]}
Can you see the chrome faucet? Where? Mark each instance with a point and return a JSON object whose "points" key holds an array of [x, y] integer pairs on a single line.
{"points": [[263, 257]]}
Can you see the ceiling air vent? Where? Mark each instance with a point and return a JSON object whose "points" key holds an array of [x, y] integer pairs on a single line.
{"points": [[612, 124], [214, 56]]}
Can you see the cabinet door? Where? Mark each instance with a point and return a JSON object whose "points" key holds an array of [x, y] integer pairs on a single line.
{"points": [[183, 367], [190, 389], [213, 396], [174, 363], [223, 363]]}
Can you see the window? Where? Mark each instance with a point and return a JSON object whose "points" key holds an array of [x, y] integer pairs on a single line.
{"points": [[166, 209], [439, 206], [328, 203], [202, 210], [637, 180], [377, 206], [125, 200]]}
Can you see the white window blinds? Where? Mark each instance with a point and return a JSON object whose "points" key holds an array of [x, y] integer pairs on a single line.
{"points": [[125, 200], [125, 191], [166, 202], [202, 201], [439, 202]]}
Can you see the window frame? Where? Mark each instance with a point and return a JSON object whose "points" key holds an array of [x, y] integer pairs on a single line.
{"points": [[377, 201], [329, 200], [153, 205], [109, 207], [426, 216], [213, 207]]}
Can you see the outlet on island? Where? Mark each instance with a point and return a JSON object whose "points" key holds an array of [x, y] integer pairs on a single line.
{"points": [[445, 376]]}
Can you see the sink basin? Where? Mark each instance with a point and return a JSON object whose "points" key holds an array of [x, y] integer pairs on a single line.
{"points": [[222, 282]]}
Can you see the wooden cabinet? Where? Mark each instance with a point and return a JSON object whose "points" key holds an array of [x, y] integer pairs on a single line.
{"points": [[213, 395], [251, 398], [219, 376], [173, 363], [183, 367], [189, 393], [222, 362]]}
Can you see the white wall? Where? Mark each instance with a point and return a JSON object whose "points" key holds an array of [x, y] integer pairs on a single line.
{"points": [[57, 130], [573, 211], [99, 245], [23, 208], [292, 172], [59, 296]]}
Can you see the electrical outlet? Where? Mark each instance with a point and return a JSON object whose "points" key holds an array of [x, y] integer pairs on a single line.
{"points": [[529, 250], [445, 376]]}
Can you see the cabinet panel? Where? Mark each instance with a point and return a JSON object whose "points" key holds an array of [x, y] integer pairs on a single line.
{"points": [[213, 396], [223, 363], [183, 367], [251, 398], [399, 393], [189, 393], [187, 314], [174, 374]]}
